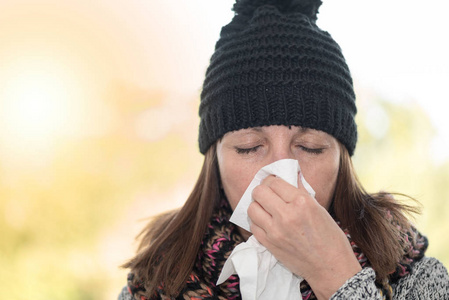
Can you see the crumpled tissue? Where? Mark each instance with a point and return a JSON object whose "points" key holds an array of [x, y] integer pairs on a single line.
{"points": [[261, 275]]}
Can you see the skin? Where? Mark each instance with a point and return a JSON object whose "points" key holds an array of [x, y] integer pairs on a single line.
{"points": [[296, 228]]}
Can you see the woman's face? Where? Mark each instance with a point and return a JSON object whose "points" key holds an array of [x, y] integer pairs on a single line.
{"points": [[244, 152]]}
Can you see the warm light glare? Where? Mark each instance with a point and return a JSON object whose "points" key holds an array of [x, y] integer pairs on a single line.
{"points": [[39, 103]]}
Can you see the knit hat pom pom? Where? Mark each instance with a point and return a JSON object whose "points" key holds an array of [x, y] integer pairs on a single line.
{"points": [[306, 7]]}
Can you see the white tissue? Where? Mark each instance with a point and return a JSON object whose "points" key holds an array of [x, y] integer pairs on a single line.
{"points": [[287, 169], [261, 275]]}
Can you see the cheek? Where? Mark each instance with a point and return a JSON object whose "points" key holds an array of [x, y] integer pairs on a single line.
{"points": [[327, 188], [234, 179], [323, 180]]}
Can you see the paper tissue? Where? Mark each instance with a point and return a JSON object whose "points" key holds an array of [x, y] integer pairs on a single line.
{"points": [[261, 275]]}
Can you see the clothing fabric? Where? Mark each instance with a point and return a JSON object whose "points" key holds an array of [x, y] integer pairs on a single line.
{"points": [[274, 66], [416, 276]]}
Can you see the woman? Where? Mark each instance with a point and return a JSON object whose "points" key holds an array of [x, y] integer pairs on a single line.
{"points": [[278, 87]]}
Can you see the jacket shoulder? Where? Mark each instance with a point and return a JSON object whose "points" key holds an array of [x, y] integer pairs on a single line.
{"points": [[429, 279], [124, 294]]}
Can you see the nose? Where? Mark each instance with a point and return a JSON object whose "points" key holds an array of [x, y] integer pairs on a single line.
{"points": [[281, 149]]}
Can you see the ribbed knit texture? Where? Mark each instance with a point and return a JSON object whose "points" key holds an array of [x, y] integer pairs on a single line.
{"points": [[273, 66]]}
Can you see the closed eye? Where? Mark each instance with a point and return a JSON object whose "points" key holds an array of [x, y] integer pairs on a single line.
{"points": [[312, 150], [247, 150]]}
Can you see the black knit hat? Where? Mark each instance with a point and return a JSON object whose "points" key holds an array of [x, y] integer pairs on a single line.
{"points": [[273, 66]]}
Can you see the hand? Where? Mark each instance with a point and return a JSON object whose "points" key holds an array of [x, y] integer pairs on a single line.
{"points": [[302, 235]]}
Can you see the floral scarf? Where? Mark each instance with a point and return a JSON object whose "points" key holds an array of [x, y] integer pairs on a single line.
{"points": [[220, 239]]}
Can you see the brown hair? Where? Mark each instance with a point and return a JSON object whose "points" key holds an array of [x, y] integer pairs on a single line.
{"points": [[169, 245], [376, 221]]}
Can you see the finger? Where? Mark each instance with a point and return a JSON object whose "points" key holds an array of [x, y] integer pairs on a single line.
{"points": [[260, 234], [259, 216], [267, 199], [287, 192]]}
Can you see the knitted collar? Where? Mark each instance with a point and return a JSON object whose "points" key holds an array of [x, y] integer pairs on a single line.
{"points": [[220, 239]]}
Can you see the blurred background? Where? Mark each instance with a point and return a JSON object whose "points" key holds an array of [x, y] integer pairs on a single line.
{"points": [[98, 125]]}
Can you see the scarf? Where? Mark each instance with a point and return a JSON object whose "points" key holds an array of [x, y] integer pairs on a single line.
{"points": [[220, 239]]}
